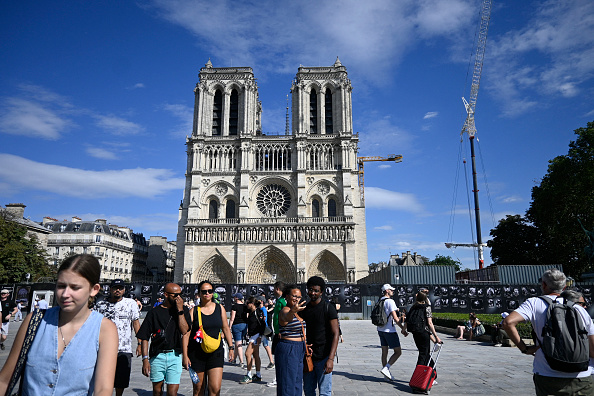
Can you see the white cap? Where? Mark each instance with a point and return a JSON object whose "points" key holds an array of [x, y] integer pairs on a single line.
{"points": [[387, 286]]}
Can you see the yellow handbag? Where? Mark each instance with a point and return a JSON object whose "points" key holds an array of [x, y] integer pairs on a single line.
{"points": [[209, 344]]}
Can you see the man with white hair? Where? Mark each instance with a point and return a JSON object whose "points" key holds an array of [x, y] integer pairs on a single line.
{"points": [[548, 381], [388, 334]]}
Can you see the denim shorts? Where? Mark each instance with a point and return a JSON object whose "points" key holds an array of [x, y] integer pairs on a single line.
{"points": [[391, 340], [239, 331], [166, 366]]}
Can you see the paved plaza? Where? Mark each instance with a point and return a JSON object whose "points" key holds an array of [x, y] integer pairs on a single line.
{"points": [[464, 368]]}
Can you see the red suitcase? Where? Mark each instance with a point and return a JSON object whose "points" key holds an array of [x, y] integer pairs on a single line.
{"points": [[424, 376]]}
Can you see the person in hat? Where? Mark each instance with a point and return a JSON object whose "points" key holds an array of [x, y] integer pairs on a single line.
{"points": [[498, 333], [238, 325], [9, 308], [388, 334], [124, 313]]}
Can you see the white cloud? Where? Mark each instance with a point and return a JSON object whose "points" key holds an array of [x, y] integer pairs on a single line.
{"points": [[101, 153], [384, 166], [379, 136], [24, 117], [117, 125], [185, 115], [379, 198], [552, 56], [383, 228], [430, 114], [511, 199], [89, 184], [356, 31], [137, 86]]}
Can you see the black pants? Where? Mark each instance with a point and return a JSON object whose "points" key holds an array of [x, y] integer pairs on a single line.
{"points": [[423, 343]]}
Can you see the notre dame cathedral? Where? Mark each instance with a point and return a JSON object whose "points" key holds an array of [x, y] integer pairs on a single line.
{"points": [[259, 208]]}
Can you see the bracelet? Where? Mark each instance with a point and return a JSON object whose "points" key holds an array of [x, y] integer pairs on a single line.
{"points": [[231, 348], [145, 357]]}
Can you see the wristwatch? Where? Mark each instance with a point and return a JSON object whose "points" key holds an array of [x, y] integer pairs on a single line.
{"points": [[145, 357], [231, 348]]}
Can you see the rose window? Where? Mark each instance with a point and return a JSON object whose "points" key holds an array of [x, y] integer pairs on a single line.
{"points": [[273, 200]]}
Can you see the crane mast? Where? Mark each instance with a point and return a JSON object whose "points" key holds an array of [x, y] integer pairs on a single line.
{"points": [[469, 126]]}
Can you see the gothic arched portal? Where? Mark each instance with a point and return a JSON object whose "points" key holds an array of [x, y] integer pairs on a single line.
{"points": [[327, 266], [269, 262], [215, 269]]}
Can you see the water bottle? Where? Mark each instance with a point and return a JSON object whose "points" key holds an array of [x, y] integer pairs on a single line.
{"points": [[193, 375]]}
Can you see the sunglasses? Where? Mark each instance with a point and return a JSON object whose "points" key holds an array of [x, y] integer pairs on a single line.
{"points": [[206, 291], [174, 295]]}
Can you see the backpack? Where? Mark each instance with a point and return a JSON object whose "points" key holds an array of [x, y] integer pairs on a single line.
{"points": [[564, 337], [378, 315], [416, 319]]}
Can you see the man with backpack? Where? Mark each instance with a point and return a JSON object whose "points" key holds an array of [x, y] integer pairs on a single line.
{"points": [[384, 315], [564, 339]]}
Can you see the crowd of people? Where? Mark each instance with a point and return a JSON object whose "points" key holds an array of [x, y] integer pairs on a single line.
{"points": [[95, 337]]}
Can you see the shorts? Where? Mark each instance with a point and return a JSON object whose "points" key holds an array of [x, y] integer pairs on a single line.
{"points": [[254, 339], [201, 361], [166, 366], [123, 368], [264, 341], [4, 329], [391, 340], [239, 332]]}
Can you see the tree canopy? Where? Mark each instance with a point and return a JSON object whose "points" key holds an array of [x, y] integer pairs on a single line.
{"points": [[551, 232], [20, 254], [444, 260]]}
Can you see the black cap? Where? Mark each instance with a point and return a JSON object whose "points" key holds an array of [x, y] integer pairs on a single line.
{"points": [[117, 282]]}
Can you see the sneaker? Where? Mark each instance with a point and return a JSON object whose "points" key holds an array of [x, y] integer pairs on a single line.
{"points": [[271, 384], [256, 378], [497, 345], [386, 372], [242, 365], [434, 382], [270, 366], [246, 379]]}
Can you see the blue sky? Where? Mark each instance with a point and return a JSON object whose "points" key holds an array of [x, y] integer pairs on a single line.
{"points": [[96, 100]]}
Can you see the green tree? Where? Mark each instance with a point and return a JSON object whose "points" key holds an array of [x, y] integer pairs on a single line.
{"points": [[565, 194], [20, 254], [515, 242], [444, 260]]}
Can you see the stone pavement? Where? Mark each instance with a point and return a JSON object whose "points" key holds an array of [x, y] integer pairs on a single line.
{"points": [[464, 368]]}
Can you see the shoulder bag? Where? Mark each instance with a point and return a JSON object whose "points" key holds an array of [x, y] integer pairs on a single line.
{"points": [[34, 323], [308, 365], [209, 344]]}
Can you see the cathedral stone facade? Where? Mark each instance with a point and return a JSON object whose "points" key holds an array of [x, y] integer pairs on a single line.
{"points": [[259, 208]]}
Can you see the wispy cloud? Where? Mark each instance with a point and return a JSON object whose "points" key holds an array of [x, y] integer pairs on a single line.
{"points": [[184, 114], [430, 114], [380, 136], [28, 118], [383, 228], [510, 199], [117, 125], [101, 153], [384, 166], [379, 198], [136, 86], [356, 31], [62, 180], [552, 56]]}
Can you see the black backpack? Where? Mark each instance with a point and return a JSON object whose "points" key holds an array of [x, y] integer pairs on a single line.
{"points": [[378, 316], [564, 337], [416, 319]]}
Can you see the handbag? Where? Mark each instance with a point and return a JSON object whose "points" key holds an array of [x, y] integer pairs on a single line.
{"points": [[479, 330], [34, 323], [308, 365], [209, 344], [267, 330]]}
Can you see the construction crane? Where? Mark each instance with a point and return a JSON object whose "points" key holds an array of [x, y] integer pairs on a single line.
{"points": [[469, 126], [362, 160]]}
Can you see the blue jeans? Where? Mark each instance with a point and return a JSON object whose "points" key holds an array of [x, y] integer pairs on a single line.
{"points": [[288, 356], [317, 379]]}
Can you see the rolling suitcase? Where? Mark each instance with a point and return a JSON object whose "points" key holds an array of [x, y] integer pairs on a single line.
{"points": [[424, 376]]}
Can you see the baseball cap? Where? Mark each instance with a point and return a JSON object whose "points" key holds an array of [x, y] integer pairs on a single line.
{"points": [[238, 296], [387, 286], [117, 282], [5, 291]]}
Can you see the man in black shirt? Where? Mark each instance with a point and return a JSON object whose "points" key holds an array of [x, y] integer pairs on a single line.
{"points": [[164, 325], [322, 332]]}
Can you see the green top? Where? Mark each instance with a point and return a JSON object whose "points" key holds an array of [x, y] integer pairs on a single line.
{"points": [[280, 304]]}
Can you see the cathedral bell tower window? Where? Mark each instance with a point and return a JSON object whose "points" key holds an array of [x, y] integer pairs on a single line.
{"points": [[213, 209], [233, 112], [331, 208], [313, 112], [230, 209], [328, 112], [217, 113], [315, 208]]}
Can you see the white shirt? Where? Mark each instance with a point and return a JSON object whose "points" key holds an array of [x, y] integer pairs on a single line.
{"points": [[122, 313], [534, 310], [389, 307], [42, 304]]}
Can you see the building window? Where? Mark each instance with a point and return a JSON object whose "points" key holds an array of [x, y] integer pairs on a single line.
{"points": [[71, 249], [328, 112], [62, 227], [97, 238], [217, 113], [230, 209], [96, 251], [315, 208], [213, 209], [331, 208], [313, 112], [233, 112]]}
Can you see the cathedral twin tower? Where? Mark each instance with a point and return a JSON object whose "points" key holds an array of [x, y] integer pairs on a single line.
{"points": [[260, 208]]}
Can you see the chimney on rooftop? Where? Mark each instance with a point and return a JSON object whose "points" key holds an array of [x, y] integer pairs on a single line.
{"points": [[75, 219], [16, 209]]}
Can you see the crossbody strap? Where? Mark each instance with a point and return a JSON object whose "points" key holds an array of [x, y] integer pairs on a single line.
{"points": [[303, 337], [34, 323]]}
